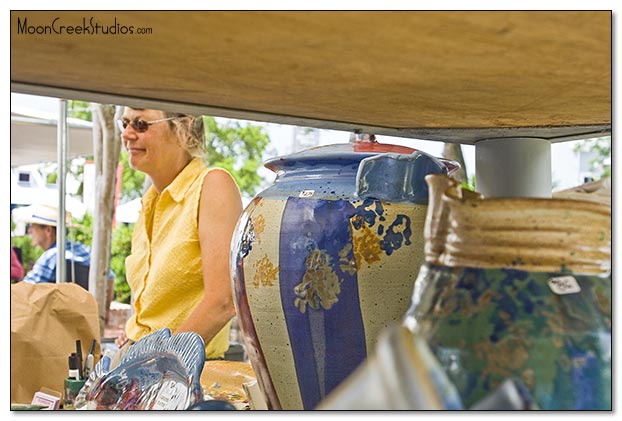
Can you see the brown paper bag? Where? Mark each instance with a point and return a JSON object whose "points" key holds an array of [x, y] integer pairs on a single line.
{"points": [[46, 321]]}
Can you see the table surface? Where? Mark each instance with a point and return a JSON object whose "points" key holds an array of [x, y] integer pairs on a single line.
{"points": [[455, 76]]}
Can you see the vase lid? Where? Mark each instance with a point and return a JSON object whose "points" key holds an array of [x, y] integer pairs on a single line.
{"points": [[360, 146]]}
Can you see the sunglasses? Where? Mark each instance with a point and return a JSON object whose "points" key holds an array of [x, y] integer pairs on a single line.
{"points": [[140, 126]]}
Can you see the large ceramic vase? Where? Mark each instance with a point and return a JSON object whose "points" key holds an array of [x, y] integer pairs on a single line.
{"points": [[320, 266], [517, 288]]}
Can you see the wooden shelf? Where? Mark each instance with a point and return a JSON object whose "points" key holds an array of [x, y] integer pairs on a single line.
{"points": [[455, 76]]}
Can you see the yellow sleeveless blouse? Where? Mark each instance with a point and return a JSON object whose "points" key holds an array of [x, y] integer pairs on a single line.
{"points": [[164, 268]]}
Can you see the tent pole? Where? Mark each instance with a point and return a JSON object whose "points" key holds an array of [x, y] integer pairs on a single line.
{"points": [[61, 171]]}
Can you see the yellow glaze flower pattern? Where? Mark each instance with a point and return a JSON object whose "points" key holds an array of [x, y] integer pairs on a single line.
{"points": [[266, 273], [320, 286]]}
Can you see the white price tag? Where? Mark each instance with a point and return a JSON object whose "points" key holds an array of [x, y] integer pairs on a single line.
{"points": [[562, 285], [171, 395], [307, 193]]}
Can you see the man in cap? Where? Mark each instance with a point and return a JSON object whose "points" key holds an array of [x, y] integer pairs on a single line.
{"points": [[42, 231]]}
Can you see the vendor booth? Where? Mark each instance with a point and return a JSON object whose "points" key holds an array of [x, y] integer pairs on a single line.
{"points": [[511, 83]]}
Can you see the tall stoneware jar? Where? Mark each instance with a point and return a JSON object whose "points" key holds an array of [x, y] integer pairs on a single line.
{"points": [[319, 267], [517, 288]]}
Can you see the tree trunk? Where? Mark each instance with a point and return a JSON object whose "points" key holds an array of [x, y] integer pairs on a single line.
{"points": [[453, 151], [106, 150]]}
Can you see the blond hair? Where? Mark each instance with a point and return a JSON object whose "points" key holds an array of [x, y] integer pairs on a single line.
{"points": [[190, 131]]}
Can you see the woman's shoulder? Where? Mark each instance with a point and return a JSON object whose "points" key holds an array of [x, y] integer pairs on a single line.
{"points": [[218, 176], [218, 172], [220, 186]]}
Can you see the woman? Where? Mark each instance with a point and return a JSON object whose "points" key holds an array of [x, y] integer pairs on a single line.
{"points": [[179, 266]]}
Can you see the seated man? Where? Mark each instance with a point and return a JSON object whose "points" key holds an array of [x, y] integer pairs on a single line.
{"points": [[43, 233]]}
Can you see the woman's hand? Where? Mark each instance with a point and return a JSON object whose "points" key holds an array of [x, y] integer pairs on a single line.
{"points": [[121, 340]]}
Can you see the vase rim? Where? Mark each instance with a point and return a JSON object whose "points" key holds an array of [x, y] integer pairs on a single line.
{"points": [[533, 203], [342, 153]]}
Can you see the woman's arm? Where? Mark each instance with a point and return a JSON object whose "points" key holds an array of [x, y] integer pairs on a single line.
{"points": [[219, 210]]}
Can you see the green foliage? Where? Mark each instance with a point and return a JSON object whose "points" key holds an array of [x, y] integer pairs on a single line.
{"points": [[601, 147], [132, 181], [470, 185], [79, 109], [121, 248], [239, 149], [82, 231], [51, 178], [30, 253]]}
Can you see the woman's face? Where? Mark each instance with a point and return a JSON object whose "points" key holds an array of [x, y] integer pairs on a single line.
{"points": [[152, 150]]}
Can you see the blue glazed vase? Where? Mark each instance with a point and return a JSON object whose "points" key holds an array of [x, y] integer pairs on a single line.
{"points": [[487, 325], [520, 289], [324, 259]]}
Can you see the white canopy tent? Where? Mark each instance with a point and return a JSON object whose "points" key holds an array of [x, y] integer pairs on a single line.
{"points": [[34, 137], [128, 212]]}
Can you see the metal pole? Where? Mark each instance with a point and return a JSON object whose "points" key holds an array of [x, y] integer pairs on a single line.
{"points": [[62, 169], [513, 167]]}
